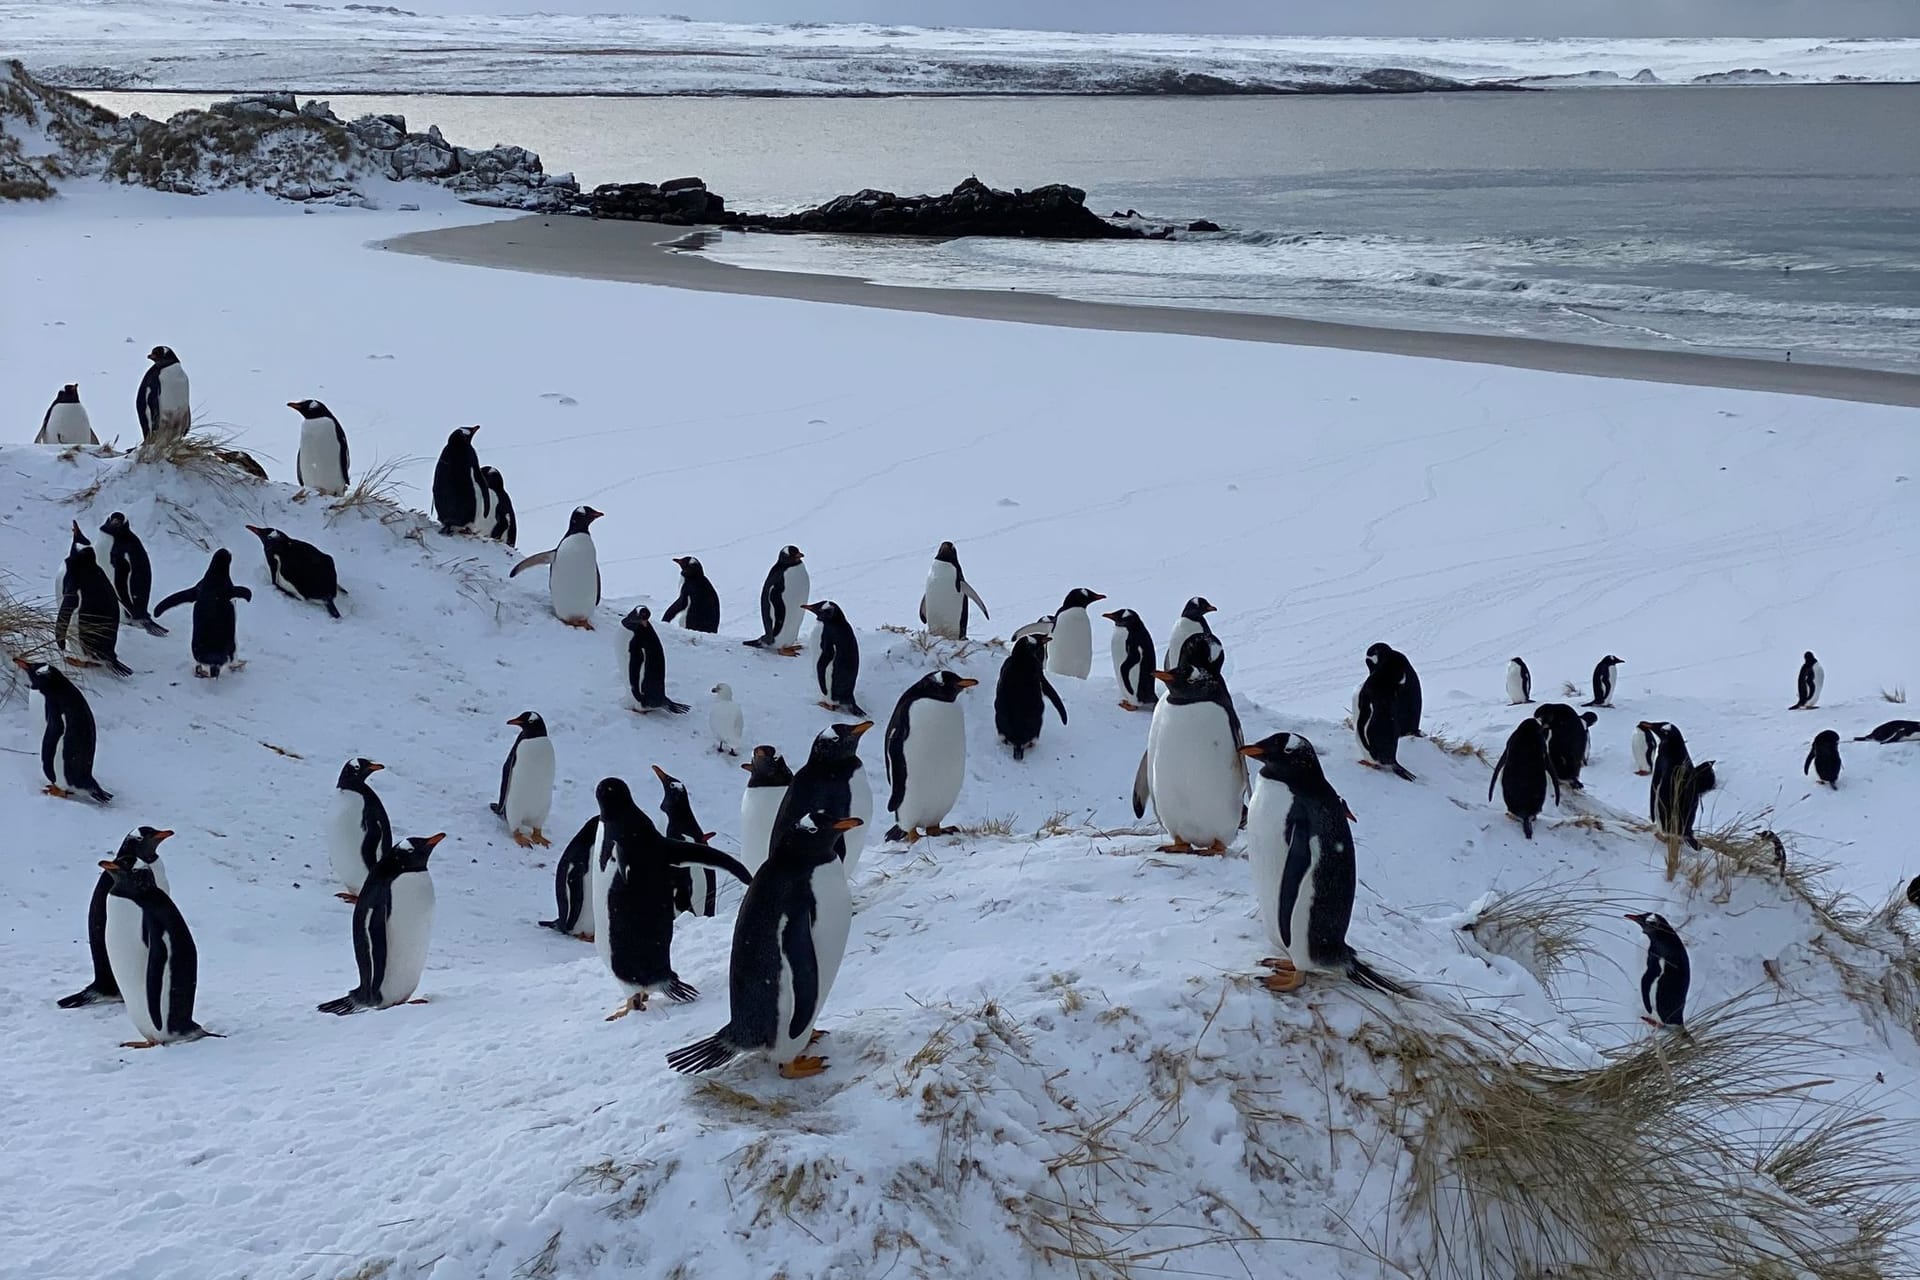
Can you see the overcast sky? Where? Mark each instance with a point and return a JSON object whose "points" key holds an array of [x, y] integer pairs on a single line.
{"points": [[1290, 17]]}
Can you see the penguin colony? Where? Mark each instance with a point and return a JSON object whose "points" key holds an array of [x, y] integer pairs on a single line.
{"points": [[620, 882]]}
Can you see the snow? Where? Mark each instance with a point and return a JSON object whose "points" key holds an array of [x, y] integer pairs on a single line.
{"points": [[222, 45], [1004, 994]]}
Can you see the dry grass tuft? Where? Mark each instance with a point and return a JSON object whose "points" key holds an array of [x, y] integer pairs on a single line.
{"points": [[1568, 689], [206, 451], [1897, 694], [376, 490], [545, 1264], [1460, 747], [997, 828], [373, 1269], [1541, 926]]}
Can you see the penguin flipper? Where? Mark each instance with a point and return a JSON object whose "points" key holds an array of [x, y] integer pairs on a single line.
{"points": [[186, 595], [1495, 779], [688, 854], [703, 1055], [1400, 771], [534, 561], [1053, 695], [796, 946], [1141, 788], [975, 597], [1367, 976], [923, 610]]}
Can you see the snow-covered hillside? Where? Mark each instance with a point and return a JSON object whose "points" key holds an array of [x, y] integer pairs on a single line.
{"points": [[1048, 1054], [222, 45]]}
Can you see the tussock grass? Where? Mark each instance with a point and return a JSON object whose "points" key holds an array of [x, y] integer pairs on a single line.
{"points": [[997, 828], [1896, 694], [631, 1183], [376, 490], [1542, 925], [1460, 747], [1568, 689], [941, 649], [545, 1264], [206, 451], [26, 627]]}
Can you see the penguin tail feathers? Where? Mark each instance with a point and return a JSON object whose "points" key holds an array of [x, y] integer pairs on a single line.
{"points": [[554, 925], [1367, 976], [153, 628], [118, 667], [100, 795], [703, 1055], [343, 1006], [1705, 777], [682, 992], [1526, 827], [83, 998], [1400, 771], [331, 611], [678, 708]]}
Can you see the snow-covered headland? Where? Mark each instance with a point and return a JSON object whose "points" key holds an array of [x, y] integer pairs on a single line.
{"points": [[1050, 1055]]}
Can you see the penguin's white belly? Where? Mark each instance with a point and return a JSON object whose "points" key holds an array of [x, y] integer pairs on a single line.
{"points": [[574, 582], [599, 881], [943, 600], [343, 839], [728, 723], [1642, 753], [273, 572], [409, 928], [127, 957], [860, 806], [1516, 685], [1302, 913], [1819, 683], [174, 409], [793, 593], [482, 509], [530, 786], [67, 424], [758, 805], [1119, 647], [1267, 850], [320, 457], [832, 923], [1071, 653], [1194, 772], [59, 745], [936, 759], [1181, 630], [103, 553]]}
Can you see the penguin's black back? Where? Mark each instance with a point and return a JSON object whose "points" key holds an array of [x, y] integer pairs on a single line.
{"points": [[69, 729], [132, 572], [1523, 774], [454, 475], [1566, 740], [1019, 697], [89, 603], [698, 600], [571, 872]]}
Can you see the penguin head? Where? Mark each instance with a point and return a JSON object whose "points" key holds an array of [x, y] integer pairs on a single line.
{"points": [[40, 675], [130, 879], [722, 692], [1198, 608], [1913, 891], [1201, 652], [496, 483], [412, 853], [163, 356], [1808, 656], [582, 519], [1590, 718], [309, 409], [1121, 617], [948, 553], [1033, 644], [637, 617], [1379, 652], [356, 771], [69, 394], [670, 786], [1611, 661], [1826, 738], [141, 845], [944, 686], [767, 768], [826, 611], [1529, 733], [268, 537], [116, 525], [220, 566], [790, 556], [532, 726], [1653, 924], [690, 566], [1080, 598], [80, 541], [810, 840], [1286, 757], [839, 741]]}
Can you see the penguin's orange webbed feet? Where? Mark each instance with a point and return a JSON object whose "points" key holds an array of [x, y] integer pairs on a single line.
{"points": [[58, 793], [539, 837], [522, 839], [815, 1038], [1178, 846], [1287, 980], [788, 650], [1279, 964], [139, 1044], [802, 1067], [347, 897]]}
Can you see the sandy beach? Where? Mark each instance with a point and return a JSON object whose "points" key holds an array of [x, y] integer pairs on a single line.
{"points": [[637, 252]]}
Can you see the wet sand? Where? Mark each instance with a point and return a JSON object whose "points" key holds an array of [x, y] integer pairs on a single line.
{"points": [[636, 252]]}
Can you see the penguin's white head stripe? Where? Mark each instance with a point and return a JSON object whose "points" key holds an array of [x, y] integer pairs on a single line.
{"points": [[806, 824]]}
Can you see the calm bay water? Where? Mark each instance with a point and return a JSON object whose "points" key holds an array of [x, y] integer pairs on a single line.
{"points": [[1751, 220]]}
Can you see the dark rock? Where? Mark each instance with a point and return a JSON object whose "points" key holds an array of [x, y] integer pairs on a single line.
{"points": [[1202, 224], [682, 184], [1055, 211]]}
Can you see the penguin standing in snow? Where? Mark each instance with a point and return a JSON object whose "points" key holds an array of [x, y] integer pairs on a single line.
{"points": [[1018, 709], [66, 420], [1646, 745], [1812, 678], [788, 942], [926, 744], [214, 645], [833, 779], [140, 848], [637, 864], [573, 574], [323, 463], [1407, 703], [1519, 683], [462, 503], [88, 624], [1892, 731], [1302, 854], [526, 782], [392, 923], [1524, 764], [1192, 621], [505, 526], [155, 963], [125, 562], [647, 665], [299, 569], [1376, 712], [838, 668], [781, 598], [698, 604], [1673, 795], [1603, 681], [726, 720], [944, 603], [696, 889], [572, 883], [359, 833], [1071, 653], [1566, 738], [164, 402], [1192, 769], [67, 741], [1133, 661], [767, 781], [1823, 758], [1663, 987]]}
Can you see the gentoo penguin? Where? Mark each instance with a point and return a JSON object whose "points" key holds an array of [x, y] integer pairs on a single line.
{"points": [[1823, 757], [1812, 678], [767, 781], [1302, 854], [1133, 661], [1663, 987], [696, 889], [573, 574], [125, 561], [1376, 712], [66, 420], [1779, 850], [163, 402], [1646, 745], [788, 942], [141, 847], [358, 831], [392, 922], [572, 883], [634, 933], [1018, 709], [1192, 770], [698, 604], [1407, 703], [1192, 620], [1673, 795], [1566, 734], [213, 644], [1071, 652], [155, 964], [87, 628], [322, 464], [726, 720], [1892, 731], [504, 526], [1526, 774], [944, 604], [647, 664], [299, 569], [838, 668], [462, 503], [835, 780], [1519, 683], [526, 782], [781, 598], [1603, 680], [67, 742], [926, 746]]}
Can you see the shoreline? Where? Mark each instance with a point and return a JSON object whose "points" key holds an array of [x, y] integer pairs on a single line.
{"points": [[638, 253]]}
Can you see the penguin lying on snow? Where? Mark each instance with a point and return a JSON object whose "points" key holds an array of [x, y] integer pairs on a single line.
{"points": [[573, 576], [1525, 765], [68, 739], [155, 963], [781, 598], [163, 401], [299, 569], [392, 923], [833, 780], [838, 668], [767, 781], [1133, 661], [1892, 731], [212, 597], [647, 665], [526, 781], [87, 627], [127, 564], [1018, 709], [66, 420], [698, 604], [926, 744], [462, 503], [1603, 679], [359, 834], [1823, 757], [945, 601], [140, 848], [726, 720], [572, 880], [1812, 679], [1192, 769], [322, 464], [1663, 987]]}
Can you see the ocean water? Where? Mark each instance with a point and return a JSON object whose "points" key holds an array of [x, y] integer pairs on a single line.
{"points": [[1752, 220]]}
